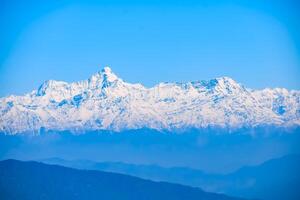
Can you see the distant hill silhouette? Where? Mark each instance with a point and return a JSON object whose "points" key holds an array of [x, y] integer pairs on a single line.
{"points": [[274, 179], [33, 180]]}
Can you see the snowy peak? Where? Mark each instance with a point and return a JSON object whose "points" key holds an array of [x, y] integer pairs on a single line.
{"points": [[103, 79], [223, 83], [106, 102], [49, 86], [108, 75]]}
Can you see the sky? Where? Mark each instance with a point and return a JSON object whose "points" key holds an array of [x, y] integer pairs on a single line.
{"points": [[257, 42]]}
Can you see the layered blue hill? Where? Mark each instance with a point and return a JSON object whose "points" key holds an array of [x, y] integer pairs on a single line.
{"points": [[275, 179], [33, 180]]}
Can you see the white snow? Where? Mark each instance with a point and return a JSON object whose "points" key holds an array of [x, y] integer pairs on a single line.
{"points": [[106, 102]]}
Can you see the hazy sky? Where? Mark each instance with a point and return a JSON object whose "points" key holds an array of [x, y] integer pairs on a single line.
{"points": [[256, 43]]}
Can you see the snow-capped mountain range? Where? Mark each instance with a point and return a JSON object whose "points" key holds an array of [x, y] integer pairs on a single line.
{"points": [[106, 102]]}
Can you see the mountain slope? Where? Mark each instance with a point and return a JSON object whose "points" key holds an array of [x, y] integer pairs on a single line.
{"points": [[106, 102], [32, 180], [275, 179]]}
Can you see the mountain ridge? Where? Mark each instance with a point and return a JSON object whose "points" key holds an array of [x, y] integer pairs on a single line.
{"points": [[106, 102], [33, 180], [261, 181]]}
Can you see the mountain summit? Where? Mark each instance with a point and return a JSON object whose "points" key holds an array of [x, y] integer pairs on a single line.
{"points": [[106, 102]]}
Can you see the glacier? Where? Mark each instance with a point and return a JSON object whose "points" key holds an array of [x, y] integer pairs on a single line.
{"points": [[106, 102]]}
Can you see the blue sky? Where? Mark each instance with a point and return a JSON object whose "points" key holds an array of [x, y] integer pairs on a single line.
{"points": [[256, 43]]}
